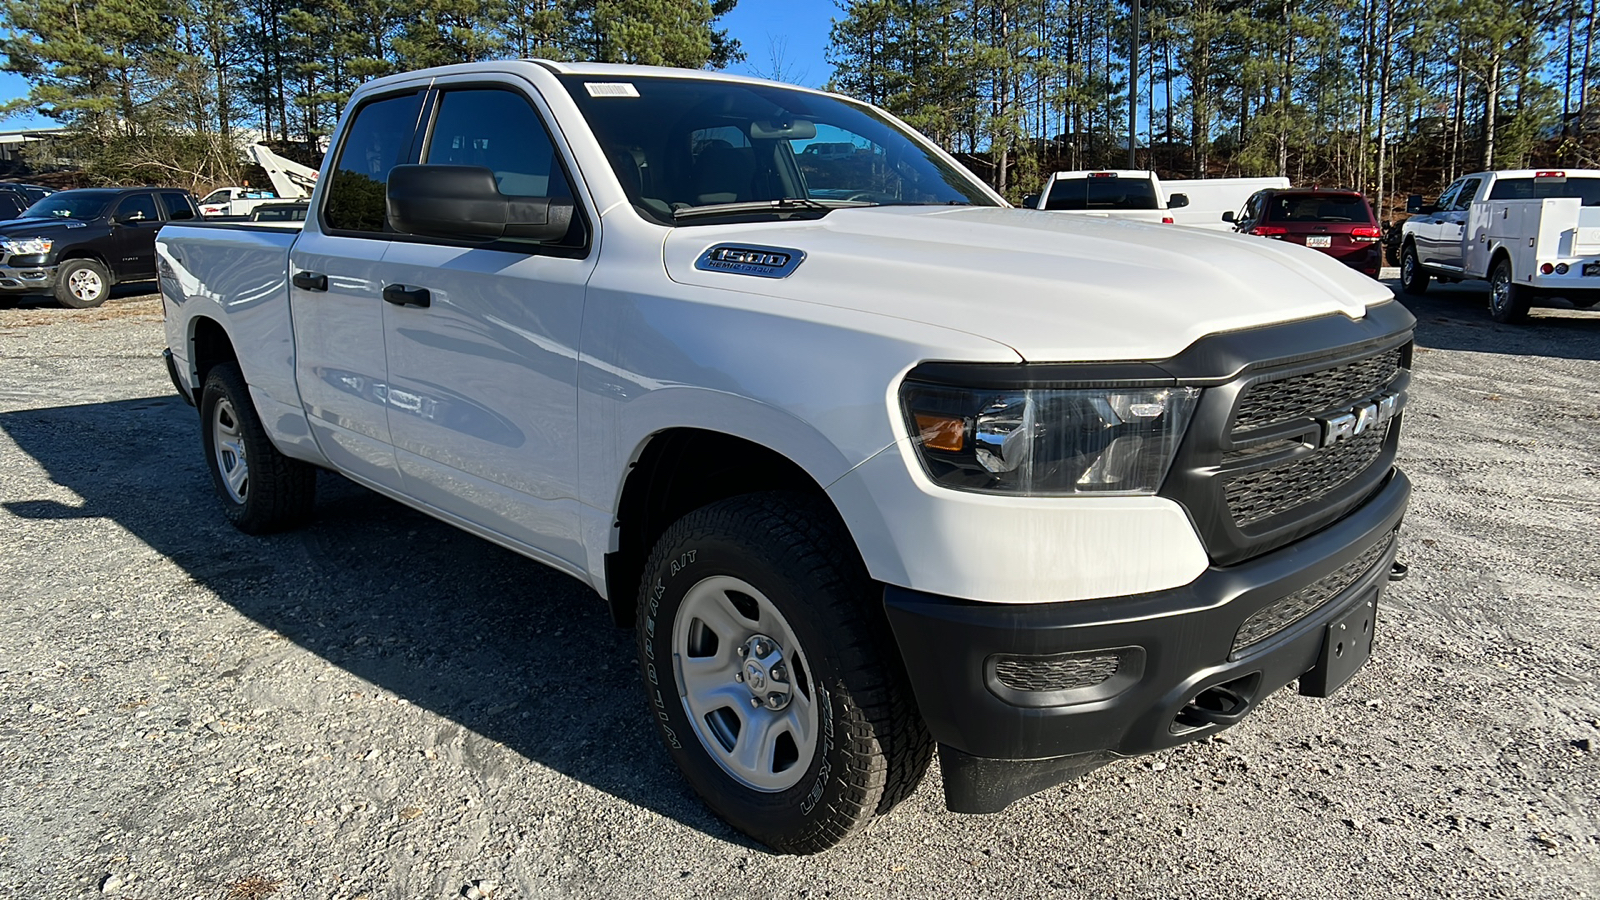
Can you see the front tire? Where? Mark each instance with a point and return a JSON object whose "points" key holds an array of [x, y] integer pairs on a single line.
{"points": [[82, 284], [771, 673], [1413, 278], [261, 489], [1508, 301]]}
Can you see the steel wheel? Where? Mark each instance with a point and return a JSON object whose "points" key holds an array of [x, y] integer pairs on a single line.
{"points": [[1413, 280], [1500, 290], [1508, 301], [745, 684], [86, 285], [228, 441]]}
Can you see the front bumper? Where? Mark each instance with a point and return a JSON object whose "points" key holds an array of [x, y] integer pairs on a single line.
{"points": [[27, 279], [987, 676]]}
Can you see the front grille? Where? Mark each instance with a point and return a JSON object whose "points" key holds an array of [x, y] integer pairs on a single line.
{"points": [[1275, 617], [1257, 496], [1279, 400], [1061, 672]]}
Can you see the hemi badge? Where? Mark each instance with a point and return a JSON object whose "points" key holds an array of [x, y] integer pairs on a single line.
{"points": [[762, 262]]}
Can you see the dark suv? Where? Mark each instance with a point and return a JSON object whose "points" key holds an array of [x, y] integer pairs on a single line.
{"points": [[1339, 223], [14, 198], [77, 244]]}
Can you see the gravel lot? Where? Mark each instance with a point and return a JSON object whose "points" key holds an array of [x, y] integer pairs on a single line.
{"points": [[379, 706]]}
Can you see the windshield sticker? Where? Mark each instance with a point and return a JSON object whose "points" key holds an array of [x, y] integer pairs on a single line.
{"points": [[762, 262], [611, 89]]}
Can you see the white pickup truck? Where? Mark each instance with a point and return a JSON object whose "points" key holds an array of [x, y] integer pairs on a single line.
{"points": [[872, 462], [1533, 234], [234, 201], [1139, 195]]}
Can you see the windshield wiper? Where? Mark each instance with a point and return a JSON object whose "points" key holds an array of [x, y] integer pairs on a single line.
{"points": [[787, 204]]}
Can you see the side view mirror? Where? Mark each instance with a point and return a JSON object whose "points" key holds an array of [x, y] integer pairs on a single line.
{"points": [[465, 202], [1177, 201], [1228, 216], [1414, 204], [1031, 201]]}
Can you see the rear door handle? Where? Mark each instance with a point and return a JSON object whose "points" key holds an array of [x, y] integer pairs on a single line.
{"points": [[310, 281], [399, 295]]}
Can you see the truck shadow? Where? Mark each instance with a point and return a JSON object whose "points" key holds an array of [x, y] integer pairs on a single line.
{"points": [[498, 644], [1456, 317]]}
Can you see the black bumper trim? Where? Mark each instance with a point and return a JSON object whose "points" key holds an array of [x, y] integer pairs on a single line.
{"points": [[1186, 634]]}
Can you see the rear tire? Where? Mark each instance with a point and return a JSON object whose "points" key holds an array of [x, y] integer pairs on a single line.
{"points": [[82, 284], [771, 673], [261, 489], [1508, 301], [1413, 278]]}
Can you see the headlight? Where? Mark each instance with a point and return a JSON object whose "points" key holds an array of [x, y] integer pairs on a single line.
{"points": [[1047, 441], [27, 246]]}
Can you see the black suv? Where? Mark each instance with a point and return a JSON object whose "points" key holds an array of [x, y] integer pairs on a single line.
{"points": [[14, 198], [77, 244]]}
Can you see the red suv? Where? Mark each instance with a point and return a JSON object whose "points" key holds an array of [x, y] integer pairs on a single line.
{"points": [[1339, 223]]}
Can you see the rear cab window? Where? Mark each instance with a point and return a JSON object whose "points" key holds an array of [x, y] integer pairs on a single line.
{"points": [[1585, 189], [1102, 192]]}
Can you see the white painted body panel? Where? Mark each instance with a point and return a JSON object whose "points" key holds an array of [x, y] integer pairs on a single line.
{"points": [[576, 364]]}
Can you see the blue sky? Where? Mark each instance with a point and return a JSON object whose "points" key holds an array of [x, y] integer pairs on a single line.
{"points": [[793, 31]]}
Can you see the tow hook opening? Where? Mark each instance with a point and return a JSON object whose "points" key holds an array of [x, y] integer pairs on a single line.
{"points": [[1218, 705]]}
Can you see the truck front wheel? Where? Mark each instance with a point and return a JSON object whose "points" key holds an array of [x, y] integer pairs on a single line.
{"points": [[1508, 301], [82, 283], [771, 674], [1413, 278], [261, 489]]}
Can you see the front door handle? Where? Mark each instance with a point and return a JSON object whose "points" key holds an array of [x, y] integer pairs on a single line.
{"points": [[399, 295], [310, 281]]}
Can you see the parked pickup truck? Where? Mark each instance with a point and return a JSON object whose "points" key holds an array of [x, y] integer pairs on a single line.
{"points": [[1140, 195], [74, 245], [871, 461], [1532, 234], [234, 201]]}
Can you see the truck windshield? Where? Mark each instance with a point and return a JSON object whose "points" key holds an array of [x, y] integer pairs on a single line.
{"points": [[694, 151], [69, 205], [1585, 189], [1102, 192]]}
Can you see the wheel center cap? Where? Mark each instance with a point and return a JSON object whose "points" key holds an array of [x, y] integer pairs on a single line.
{"points": [[755, 677]]}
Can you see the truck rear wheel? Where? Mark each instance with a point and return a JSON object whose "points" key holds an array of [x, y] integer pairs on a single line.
{"points": [[1413, 278], [261, 489], [82, 283], [771, 673], [1508, 301]]}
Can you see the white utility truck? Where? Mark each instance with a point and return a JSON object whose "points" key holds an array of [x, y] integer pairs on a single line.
{"points": [[234, 201], [873, 462], [1140, 195], [1533, 234]]}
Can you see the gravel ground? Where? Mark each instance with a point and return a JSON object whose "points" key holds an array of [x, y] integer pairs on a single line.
{"points": [[379, 706]]}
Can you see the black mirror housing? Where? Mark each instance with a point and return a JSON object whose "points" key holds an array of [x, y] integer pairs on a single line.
{"points": [[1414, 204], [1177, 201], [1030, 202], [464, 202], [1228, 216]]}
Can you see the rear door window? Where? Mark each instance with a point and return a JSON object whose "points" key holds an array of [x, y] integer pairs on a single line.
{"points": [[179, 206], [377, 139]]}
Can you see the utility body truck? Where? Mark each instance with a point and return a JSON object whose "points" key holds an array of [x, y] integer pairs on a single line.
{"points": [[1140, 195], [1533, 234], [290, 181], [873, 463]]}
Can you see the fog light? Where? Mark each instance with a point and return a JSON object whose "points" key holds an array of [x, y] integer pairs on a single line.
{"points": [[1546, 269], [1561, 268]]}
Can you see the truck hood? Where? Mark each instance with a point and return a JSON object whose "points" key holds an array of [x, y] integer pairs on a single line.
{"points": [[1051, 287], [38, 227]]}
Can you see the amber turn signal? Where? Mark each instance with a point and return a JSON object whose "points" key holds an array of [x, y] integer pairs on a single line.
{"points": [[942, 432]]}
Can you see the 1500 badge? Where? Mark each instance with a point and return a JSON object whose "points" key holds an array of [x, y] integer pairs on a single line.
{"points": [[750, 259]]}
